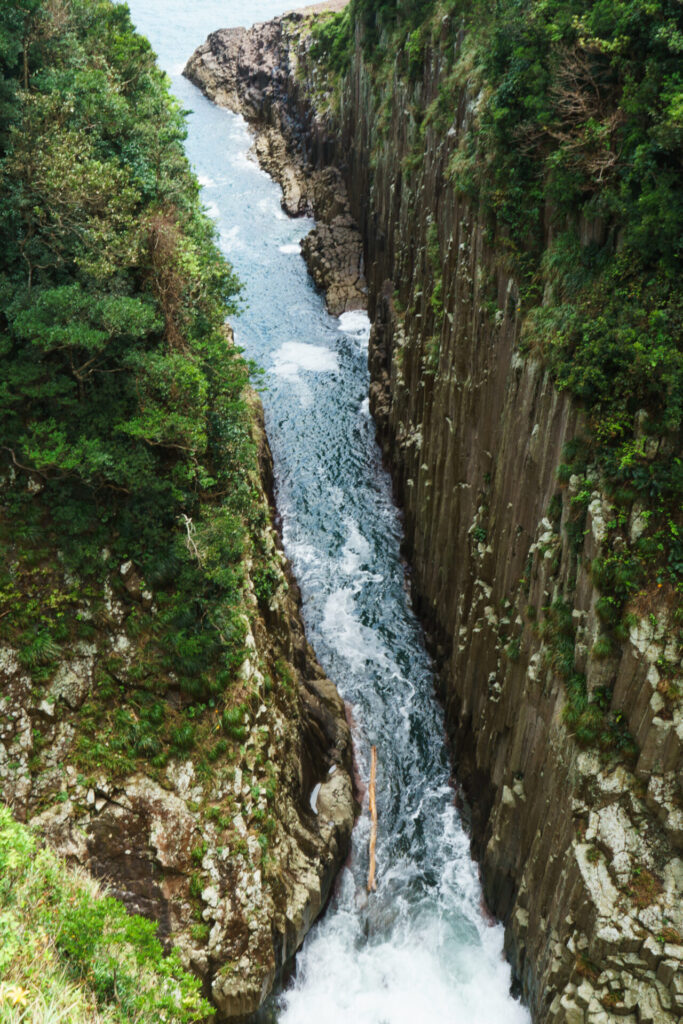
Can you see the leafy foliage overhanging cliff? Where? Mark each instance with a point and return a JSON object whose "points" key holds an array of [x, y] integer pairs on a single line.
{"points": [[122, 410], [70, 953], [576, 138]]}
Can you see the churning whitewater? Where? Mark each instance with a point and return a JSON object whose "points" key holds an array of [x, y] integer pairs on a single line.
{"points": [[420, 949]]}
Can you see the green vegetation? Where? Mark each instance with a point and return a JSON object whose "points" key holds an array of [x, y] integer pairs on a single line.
{"points": [[69, 953], [434, 257], [580, 119], [590, 717], [585, 118], [125, 433], [331, 40], [574, 164]]}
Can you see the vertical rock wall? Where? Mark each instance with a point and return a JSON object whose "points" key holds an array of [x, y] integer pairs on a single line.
{"points": [[580, 856], [474, 433]]}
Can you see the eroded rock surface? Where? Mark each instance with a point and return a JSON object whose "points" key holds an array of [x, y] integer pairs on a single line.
{"points": [[254, 72]]}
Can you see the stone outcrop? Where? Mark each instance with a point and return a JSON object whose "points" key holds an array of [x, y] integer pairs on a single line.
{"points": [[581, 855], [251, 72], [225, 853]]}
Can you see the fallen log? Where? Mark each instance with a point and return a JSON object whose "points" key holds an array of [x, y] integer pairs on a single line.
{"points": [[373, 814]]}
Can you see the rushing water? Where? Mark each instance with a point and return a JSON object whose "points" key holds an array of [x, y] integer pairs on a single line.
{"points": [[420, 949]]}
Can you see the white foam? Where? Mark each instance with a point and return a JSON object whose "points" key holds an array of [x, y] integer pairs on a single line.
{"points": [[291, 249], [305, 395], [205, 181], [271, 207], [342, 978], [337, 496], [242, 159], [356, 643], [212, 210], [355, 552], [230, 239], [305, 554], [355, 322], [294, 356], [314, 798], [356, 556]]}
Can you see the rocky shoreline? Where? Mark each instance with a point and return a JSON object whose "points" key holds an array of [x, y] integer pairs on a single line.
{"points": [[581, 858], [243, 70]]}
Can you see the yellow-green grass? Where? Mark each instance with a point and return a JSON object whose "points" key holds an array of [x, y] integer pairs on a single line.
{"points": [[70, 953]]}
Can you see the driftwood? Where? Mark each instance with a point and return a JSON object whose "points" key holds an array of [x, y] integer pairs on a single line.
{"points": [[373, 814]]}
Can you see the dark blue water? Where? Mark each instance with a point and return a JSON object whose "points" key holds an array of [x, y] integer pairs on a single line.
{"points": [[419, 950]]}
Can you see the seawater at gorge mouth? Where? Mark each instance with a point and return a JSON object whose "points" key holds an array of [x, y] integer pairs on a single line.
{"points": [[419, 950]]}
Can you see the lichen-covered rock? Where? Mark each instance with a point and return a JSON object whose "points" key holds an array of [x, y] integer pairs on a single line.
{"points": [[73, 679]]}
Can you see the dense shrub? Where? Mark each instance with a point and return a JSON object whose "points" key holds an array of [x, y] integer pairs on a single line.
{"points": [[69, 952], [124, 432]]}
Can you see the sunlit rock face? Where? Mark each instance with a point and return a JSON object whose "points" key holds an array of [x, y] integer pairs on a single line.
{"points": [[252, 72]]}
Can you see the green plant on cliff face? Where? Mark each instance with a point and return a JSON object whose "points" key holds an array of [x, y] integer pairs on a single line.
{"points": [[434, 258], [69, 953], [125, 435], [332, 40], [383, 20], [415, 45], [579, 118], [590, 717], [266, 581], [233, 722]]}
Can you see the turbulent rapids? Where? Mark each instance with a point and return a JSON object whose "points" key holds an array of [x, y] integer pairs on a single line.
{"points": [[420, 948]]}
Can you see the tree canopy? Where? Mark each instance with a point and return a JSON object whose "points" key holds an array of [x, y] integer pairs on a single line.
{"points": [[123, 419]]}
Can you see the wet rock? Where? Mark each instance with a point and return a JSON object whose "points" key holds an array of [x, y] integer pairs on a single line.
{"points": [[254, 72]]}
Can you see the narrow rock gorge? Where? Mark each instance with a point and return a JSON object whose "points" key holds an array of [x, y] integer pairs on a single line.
{"points": [[580, 849]]}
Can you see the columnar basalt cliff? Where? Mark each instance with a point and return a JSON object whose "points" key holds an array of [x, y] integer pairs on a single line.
{"points": [[223, 848], [580, 853]]}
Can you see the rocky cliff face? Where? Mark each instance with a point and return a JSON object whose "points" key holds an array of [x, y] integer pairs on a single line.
{"points": [[244, 71], [580, 852], [223, 846]]}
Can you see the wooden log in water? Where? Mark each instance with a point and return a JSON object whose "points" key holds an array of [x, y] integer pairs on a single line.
{"points": [[373, 814]]}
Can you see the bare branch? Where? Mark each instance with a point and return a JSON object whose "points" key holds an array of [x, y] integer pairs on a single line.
{"points": [[26, 469], [190, 542]]}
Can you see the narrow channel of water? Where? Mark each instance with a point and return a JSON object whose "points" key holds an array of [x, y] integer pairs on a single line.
{"points": [[419, 950]]}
